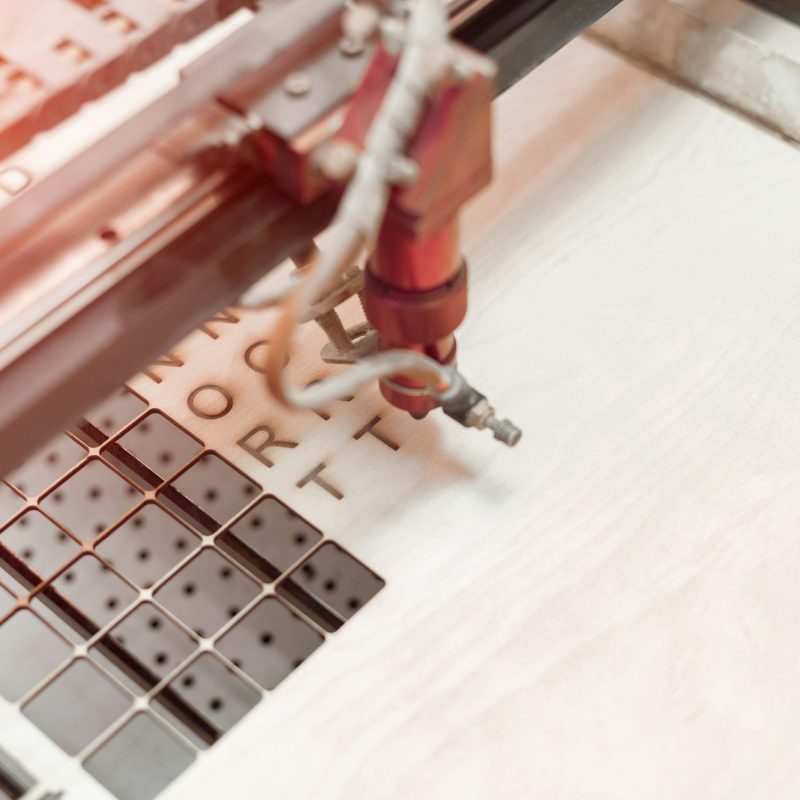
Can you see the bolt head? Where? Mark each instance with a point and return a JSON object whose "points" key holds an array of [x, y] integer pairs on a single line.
{"points": [[337, 160], [13, 180], [297, 84], [351, 47]]}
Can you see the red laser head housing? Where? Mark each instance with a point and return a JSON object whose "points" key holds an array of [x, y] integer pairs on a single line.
{"points": [[416, 281]]}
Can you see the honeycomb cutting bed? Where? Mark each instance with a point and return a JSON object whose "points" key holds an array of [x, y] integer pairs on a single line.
{"points": [[152, 591]]}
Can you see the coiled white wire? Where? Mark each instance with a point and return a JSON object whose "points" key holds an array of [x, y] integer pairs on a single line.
{"points": [[363, 206]]}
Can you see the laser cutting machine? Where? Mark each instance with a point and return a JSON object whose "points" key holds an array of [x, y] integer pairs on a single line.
{"points": [[246, 550]]}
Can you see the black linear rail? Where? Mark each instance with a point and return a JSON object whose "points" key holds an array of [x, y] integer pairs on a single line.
{"points": [[789, 9], [521, 34]]}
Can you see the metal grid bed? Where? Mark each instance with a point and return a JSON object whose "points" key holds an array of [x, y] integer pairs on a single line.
{"points": [[151, 593]]}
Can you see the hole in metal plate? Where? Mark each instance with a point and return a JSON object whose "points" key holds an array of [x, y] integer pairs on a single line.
{"points": [[41, 544], [330, 586], [148, 545], [209, 493], [152, 450], [269, 539], [84, 598], [77, 706], [48, 464], [152, 639], [30, 652], [214, 691], [7, 601], [140, 760], [207, 593], [111, 415], [90, 500], [270, 642], [10, 502]]}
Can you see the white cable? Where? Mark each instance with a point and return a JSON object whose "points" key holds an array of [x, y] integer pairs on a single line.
{"points": [[268, 292], [391, 362], [363, 206]]}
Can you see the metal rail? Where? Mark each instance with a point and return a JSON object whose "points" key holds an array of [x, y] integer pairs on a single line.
{"points": [[521, 34], [92, 326], [789, 9]]}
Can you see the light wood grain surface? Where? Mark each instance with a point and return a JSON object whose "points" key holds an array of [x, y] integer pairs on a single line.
{"points": [[610, 610]]}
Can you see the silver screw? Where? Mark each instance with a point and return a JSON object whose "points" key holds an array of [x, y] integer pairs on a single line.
{"points": [[504, 430], [297, 84]]}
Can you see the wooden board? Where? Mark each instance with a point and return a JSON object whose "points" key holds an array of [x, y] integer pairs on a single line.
{"points": [[608, 611]]}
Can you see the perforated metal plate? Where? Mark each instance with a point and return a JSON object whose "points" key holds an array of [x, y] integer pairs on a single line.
{"points": [[152, 591]]}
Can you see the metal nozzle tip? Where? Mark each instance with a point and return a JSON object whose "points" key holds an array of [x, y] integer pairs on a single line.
{"points": [[505, 431]]}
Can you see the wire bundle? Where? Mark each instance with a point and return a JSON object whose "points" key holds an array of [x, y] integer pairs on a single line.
{"points": [[360, 215]]}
